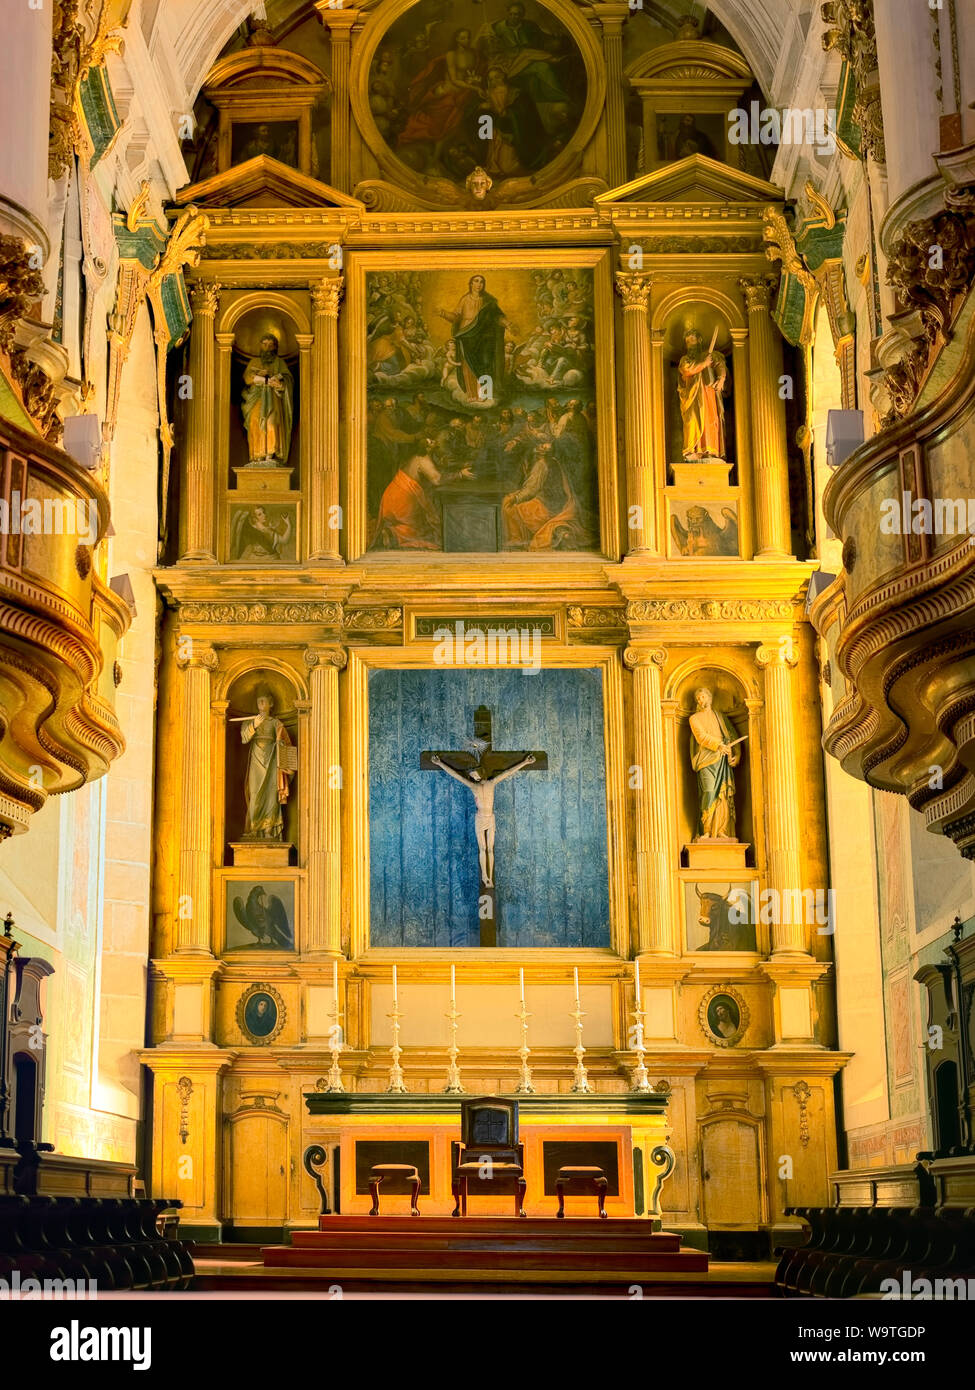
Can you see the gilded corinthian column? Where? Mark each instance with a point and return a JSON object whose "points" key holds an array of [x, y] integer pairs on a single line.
{"points": [[612, 17], [323, 497], [781, 746], [196, 819], [340, 21], [656, 928], [323, 930], [770, 459], [201, 441], [634, 289]]}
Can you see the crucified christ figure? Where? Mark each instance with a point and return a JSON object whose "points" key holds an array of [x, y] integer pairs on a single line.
{"points": [[482, 790]]}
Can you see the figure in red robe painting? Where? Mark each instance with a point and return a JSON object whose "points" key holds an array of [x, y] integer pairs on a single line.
{"points": [[545, 513], [408, 517], [440, 95]]}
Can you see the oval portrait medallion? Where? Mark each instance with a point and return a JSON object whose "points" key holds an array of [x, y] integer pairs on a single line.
{"points": [[456, 86]]}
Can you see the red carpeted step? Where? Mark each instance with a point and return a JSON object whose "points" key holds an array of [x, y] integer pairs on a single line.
{"points": [[485, 1258]]}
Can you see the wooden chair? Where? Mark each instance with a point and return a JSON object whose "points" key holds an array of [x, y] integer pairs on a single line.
{"points": [[488, 1150]]}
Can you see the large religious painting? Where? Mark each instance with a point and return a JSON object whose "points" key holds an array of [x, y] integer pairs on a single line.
{"points": [[457, 85], [481, 430], [487, 794]]}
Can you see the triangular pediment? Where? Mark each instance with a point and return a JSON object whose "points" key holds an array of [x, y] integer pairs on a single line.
{"points": [[264, 182], [696, 179]]}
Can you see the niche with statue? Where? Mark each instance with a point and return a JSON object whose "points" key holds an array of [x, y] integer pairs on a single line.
{"points": [[261, 811], [716, 762], [700, 431]]}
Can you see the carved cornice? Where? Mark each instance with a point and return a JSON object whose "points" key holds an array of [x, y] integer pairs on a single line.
{"points": [[682, 610], [604, 618], [329, 614], [850, 31], [373, 619]]}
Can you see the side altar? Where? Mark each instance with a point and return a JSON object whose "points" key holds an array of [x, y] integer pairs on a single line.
{"points": [[624, 1135]]}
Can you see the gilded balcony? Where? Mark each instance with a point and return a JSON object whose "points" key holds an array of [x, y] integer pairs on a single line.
{"points": [[899, 621], [60, 627]]}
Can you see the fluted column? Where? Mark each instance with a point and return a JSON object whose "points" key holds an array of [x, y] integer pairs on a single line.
{"points": [[656, 927], [743, 437], [634, 289], [778, 660], [323, 931], [200, 436], [612, 17], [196, 813], [340, 22], [770, 458], [324, 532]]}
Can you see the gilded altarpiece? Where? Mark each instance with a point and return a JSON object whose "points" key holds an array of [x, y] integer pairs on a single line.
{"points": [[430, 414]]}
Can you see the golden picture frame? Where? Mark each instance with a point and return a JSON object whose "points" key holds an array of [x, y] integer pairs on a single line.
{"points": [[456, 267]]}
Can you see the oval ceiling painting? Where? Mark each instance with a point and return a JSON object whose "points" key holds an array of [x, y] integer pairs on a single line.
{"points": [[456, 85]]}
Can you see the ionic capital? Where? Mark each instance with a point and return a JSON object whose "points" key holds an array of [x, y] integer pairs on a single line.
{"points": [[780, 654], [325, 656], [634, 657], [198, 655]]}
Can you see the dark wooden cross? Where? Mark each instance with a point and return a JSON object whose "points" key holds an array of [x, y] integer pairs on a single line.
{"points": [[479, 771]]}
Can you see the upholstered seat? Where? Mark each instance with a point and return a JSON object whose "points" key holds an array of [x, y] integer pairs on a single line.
{"points": [[595, 1177], [407, 1171]]}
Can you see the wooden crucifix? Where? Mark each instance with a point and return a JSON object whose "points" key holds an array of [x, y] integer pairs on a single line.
{"points": [[480, 772]]}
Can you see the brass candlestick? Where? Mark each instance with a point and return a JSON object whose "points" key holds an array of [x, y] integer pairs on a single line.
{"points": [[580, 1078], [453, 1086], [641, 1081], [335, 1047], [396, 1083], [524, 1087]]}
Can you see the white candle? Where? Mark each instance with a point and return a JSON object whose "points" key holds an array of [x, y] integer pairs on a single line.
{"points": [[521, 982], [395, 999], [575, 972], [636, 981], [453, 983]]}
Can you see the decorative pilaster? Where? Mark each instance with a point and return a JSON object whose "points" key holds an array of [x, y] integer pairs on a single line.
{"points": [[634, 289], [778, 660], [192, 933], [323, 929], [655, 919], [200, 436], [340, 22], [770, 459], [323, 494], [612, 17]]}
